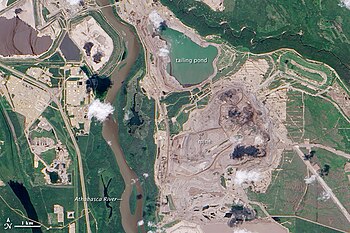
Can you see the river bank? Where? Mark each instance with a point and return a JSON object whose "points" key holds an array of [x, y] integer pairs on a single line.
{"points": [[110, 126]]}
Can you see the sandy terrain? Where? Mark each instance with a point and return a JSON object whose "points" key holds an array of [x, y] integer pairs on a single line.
{"points": [[69, 8], [88, 30], [264, 226], [201, 153], [28, 100], [256, 226], [3, 4], [184, 227], [26, 14], [216, 5], [341, 98]]}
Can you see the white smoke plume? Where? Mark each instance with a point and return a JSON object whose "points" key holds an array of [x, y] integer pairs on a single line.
{"points": [[163, 52], [324, 196], [310, 180], [141, 222], [156, 19], [345, 3], [2, 183], [239, 230], [100, 110], [246, 177]]}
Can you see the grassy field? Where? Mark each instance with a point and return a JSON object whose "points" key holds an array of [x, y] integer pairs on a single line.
{"points": [[18, 166], [48, 156], [294, 122], [315, 118], [9, 2], [180, 104], [322, 123], [133, 200], [310, 70], [99, 163], [176, 100], [9, 165], [57, 122], [57, 58], [324, 211], [287, 187], [296, 225], [289, 195], [337, 178]]}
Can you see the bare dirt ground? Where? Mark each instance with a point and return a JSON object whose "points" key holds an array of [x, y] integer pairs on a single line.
{"points": [[216, 5], [146, 16], [28, 100], [341, 97], [100, 47], [202, 152], [256, 226], [264, 226], [185, 227], [26, 12], [3, 4], [200, 171]]}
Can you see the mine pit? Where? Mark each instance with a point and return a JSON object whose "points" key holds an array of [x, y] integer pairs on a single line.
{"points": [[97, 57], [241, 151], [87, 47], [239, 214], [235, 136]]}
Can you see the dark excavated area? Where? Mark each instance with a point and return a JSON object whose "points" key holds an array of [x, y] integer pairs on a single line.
{"points": [[88, 46], [241, 151], [18, 38], [239, 214]]}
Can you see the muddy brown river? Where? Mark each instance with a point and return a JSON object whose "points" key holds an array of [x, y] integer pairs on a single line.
{"points": [[110, 126]]}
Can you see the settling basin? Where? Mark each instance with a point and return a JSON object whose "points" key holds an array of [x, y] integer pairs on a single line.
{"points": [[190, 63], [18, 38]]}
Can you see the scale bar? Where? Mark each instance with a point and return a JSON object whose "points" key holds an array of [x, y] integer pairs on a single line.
{"points": [[27, 226]]}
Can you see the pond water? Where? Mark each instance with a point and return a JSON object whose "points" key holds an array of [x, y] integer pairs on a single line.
{"points": [[190, 63], [70, 51], [23, 196]]}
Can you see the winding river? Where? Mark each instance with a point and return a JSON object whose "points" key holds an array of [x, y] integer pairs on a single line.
{"points": [[110, 126]]}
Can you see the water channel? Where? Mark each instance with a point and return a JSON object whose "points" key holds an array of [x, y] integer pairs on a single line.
{"points": [[110, 126]]}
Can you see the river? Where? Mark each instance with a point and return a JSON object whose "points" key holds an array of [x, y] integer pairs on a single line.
{"points": [[110, 126]]}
